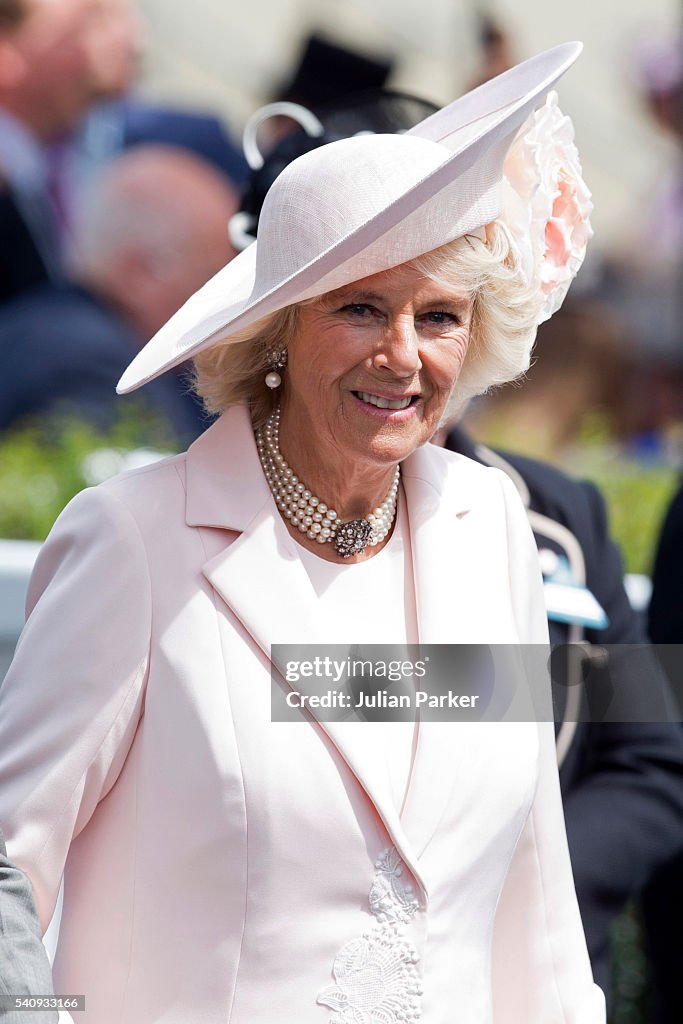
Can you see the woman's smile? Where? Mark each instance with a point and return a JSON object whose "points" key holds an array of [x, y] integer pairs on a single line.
{"points": [[387, 408]]}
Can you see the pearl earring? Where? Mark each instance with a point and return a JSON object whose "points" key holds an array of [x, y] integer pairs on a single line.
{"points": [[277, 358]]}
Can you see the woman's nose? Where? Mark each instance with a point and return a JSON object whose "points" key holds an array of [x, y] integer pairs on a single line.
{"points": [[399, 350]]}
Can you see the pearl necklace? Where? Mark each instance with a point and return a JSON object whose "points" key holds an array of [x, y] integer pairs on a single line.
{"points": [[311, 515]]}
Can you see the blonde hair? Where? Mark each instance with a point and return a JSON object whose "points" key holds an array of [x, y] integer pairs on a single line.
{"points": [[503, 329]]}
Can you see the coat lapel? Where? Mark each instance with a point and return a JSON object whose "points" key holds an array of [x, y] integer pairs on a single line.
{"points": [[261, 578], [442, 515], [446, 562]]}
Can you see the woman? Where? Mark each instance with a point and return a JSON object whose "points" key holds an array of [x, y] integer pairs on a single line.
{"points": [[223, 866]]}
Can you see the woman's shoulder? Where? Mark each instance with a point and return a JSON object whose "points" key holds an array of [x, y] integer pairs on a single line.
{"points": [[163, 476], [137, 501], [118, 527], [443, 467]]}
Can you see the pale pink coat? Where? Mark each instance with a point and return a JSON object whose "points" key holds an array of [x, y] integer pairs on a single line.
{"points": [[215, 863]]}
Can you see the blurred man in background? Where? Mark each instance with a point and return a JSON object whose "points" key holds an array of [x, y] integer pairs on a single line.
{"points": [[152, 229], [57, 59]]}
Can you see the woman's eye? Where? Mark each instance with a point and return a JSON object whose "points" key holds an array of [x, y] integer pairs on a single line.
{"points": [[357, 308], [441, 318]]}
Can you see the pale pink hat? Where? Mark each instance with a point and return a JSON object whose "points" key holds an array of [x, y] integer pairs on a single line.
{"points": [[359, 206]]}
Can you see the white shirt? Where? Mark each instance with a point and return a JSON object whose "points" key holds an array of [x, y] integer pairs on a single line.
{"points": [[373, 602]]}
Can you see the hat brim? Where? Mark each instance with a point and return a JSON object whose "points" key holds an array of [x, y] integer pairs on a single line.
{"points": [[485, 119]]}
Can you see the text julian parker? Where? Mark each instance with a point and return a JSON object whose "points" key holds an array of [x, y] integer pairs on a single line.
{"points": [[381, 699]]}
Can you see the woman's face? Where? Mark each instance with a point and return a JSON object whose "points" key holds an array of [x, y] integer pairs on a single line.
{"points": [[372, 365]]}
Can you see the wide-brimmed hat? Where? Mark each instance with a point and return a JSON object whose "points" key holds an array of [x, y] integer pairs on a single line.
{"points": [[359, 206]]}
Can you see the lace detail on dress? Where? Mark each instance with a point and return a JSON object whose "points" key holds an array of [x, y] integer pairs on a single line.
{"points": [[376, 977]]}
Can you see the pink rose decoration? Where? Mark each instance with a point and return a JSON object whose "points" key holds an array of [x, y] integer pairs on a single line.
{"points": [[546, 204]]}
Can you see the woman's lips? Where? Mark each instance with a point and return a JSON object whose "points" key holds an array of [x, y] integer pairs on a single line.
{"points": [[385, 407], [384, 402]]}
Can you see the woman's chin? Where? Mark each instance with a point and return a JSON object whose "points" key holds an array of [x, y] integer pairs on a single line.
{"points": [[383, 447], [384, 434]]}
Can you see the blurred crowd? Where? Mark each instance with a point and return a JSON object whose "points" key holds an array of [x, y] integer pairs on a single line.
{"points": [[114, 210], [614, 355]]}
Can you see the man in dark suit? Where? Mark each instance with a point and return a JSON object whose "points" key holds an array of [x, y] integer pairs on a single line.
{"points": [[622, 781], [24, 967], [153, 229], [662, 902], [56, 61]]}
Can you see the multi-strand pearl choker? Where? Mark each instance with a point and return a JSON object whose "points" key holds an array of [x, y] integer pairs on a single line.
{"points": [[311, 515]]}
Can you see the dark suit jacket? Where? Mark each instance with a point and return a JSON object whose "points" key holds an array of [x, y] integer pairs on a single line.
{"points": [[662, 903], [24, 967], [666, 606], [62, 351], [622, 783], [21, 264]]}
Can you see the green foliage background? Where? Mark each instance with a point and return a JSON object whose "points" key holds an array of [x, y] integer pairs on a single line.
{"points": [[637, 498], [42, 467]]}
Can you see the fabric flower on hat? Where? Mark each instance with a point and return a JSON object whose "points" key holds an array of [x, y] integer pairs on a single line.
{"points": [[546, 203]]}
